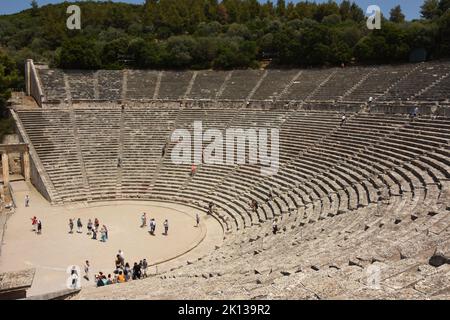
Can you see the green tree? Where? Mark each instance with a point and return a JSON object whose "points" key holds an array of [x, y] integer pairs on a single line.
{"points": [[181, 51], [145, 54], [444, 34], [34, 8], [345, 10], [396, 15], [357, 14], [113, 54], [79, 53], [9, 79], [281, 8], [326, 9], [430, 9], [235, 53], [444, 5], [332, 19]]}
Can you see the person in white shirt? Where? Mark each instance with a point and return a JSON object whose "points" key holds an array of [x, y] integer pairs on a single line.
{"points": [[143, 220], [166, 227], [274, 227], [120, 253], [86, 270], [343, 119]]}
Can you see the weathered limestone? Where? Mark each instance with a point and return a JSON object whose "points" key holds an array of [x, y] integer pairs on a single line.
{"points": [[5, 150], [14, 285], [370, 194], [5, 167]]}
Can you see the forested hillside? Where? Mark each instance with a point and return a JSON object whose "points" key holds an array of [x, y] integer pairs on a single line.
{"points": [[220, 34]]}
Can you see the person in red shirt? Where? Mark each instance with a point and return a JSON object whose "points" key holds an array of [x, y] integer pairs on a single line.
{"points": [[34, 223]]}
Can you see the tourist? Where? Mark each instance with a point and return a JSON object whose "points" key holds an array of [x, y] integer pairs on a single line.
{"points": [[94, 234], [193, 169], [210, 207], [152, 226], [197, 219], [89, 227], [99, 279], [79, 226], [370, 100], [119, 262], [74, 277], [143, 220], [254, 205], [96, 224], [121, 277], [102, 235], [166, 227], [34, 223], [27, 201], [109, 280], [144, 268], [105, 281], [106, 232], [87, 266], [163, 151], [39, 226], [274, 226], [270, 197], [343, 119], [119, 162], [71, 225], [136, 271], [121, 254], [127, 272]]}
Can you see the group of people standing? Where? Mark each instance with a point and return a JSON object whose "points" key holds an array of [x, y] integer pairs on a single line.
{"points": [[122, 273], [92, 228], [152, 224]]}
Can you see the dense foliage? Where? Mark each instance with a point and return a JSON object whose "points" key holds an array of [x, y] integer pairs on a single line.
{"points": [[226, 34], [8, 79]]}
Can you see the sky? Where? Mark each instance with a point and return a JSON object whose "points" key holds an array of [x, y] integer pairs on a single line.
{"points": [[411, 8]]}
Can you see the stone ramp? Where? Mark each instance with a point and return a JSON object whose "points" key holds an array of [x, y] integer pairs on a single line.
{"points": [[19, 189], [3, 219], [13, 285], [20, 186]]}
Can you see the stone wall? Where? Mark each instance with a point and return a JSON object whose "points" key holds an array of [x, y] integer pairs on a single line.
{"points": [[33, 85], [35, 173]]}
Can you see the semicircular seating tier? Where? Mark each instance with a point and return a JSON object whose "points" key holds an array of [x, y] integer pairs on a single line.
{"points": [[372, 193]]}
